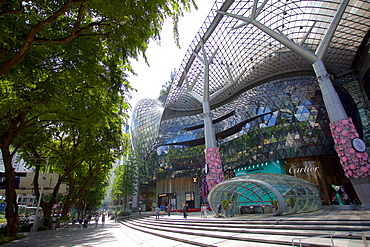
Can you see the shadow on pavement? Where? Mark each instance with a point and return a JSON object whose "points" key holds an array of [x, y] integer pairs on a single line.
{"points": [[71, 235]]}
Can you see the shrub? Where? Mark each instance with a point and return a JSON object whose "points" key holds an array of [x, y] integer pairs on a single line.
{"points": [[4, 240], [123, 213], [24, 227]]}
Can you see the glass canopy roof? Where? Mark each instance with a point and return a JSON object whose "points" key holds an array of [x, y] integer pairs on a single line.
{"points": [[249, 57], [275, 194]]}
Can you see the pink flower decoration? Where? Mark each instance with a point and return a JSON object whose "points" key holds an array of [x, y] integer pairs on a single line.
{"points": [[352, 166], [359, 155], [352, 151], [344, 159], [364, 169], [343, 141], [350, 173], [338, 129], [345, 121], [345, 133]]}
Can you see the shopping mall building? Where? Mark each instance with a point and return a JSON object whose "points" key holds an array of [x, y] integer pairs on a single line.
{"points": [[267, 90]]}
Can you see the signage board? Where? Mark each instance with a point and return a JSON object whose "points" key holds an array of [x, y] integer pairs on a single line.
{"points": [[276, 166]]}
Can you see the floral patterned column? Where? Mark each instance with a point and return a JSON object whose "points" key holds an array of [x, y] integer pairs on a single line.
{"points": [[215, 174], [204, 189], [355, 163]]}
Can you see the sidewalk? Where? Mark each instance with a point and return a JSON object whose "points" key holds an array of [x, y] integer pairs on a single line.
{"points": [[112, 234]]}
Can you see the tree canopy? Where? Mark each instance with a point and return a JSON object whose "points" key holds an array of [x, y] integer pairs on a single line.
{"points": [[63, 69], [124, 27]]}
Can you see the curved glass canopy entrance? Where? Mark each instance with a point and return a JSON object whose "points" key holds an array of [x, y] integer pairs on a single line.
{"points": [[268, 193]]}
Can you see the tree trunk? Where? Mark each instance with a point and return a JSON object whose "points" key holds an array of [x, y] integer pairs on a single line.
{"points": [[47, 215], [11, 210]]}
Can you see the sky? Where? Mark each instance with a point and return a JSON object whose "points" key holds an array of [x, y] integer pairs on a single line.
{"points": [[166, 57]]}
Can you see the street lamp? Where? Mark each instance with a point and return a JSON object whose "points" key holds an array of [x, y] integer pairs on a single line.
{"points": [[36, 221], [37, 218]]}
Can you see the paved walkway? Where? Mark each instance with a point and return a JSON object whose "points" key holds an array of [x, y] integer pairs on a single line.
{"points": [[115, 234], [109, 235]]}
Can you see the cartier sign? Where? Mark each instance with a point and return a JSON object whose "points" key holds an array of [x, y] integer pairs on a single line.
{"points": [[305, 169]]}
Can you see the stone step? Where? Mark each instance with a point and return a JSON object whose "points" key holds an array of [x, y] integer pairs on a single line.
{"points": [[327, 226], [183, 230], [211, 239]]}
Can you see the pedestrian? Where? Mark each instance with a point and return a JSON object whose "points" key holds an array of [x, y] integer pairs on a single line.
{"points": [[231, 208], [96, 220], [139, 210], [53, 223], [86, 222], [202, 211], [103, 220], [185, 209], [80, 221], [162, 210], [157, 213], [169, 207], [219, 208]]}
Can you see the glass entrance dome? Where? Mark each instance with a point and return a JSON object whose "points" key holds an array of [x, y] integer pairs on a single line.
{"points": [[268, 193]]}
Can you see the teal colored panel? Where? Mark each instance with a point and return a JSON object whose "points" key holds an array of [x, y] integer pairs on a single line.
{"points": [[276, 166]]}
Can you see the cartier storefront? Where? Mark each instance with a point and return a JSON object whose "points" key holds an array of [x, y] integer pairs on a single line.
{"points": [[324, 172]]}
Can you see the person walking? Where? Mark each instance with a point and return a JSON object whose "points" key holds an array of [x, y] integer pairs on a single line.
{"points": [[205, 210], [53, 223], [219, 208], [185, 208], [231, 209], [86, 222], [157, 210], [169, 208], [96, 220], [80, 221], [162, 210], [103, 220]]}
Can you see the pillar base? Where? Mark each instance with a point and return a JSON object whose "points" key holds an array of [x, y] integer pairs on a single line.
{"points": [[362, 188]]}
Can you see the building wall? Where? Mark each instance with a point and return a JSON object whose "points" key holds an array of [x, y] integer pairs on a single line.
{"points": [[179, 186]]}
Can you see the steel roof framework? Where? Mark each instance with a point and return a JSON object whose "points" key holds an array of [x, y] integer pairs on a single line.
{"points": [[249, 54]]}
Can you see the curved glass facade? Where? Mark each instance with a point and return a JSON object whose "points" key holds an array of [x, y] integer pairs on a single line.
{"points": [[267, 193], [146, 120], [271, 106]]}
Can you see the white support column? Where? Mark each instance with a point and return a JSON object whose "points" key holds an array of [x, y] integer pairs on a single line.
{"points": [[332, 102], [209, 131]]}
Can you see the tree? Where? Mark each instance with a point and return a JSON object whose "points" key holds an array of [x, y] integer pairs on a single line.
{"points": [[167, 86], [82, 153], [125, 179], [124, 26], [53, 54]]}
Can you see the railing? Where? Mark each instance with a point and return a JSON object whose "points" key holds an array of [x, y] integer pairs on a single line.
{"points": [[332, 237]]}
